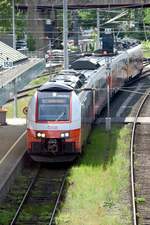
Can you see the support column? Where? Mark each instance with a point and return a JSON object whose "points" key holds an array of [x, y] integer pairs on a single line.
{"points": [[98, 30], [65, 33], [13, 24], [75, 27]]}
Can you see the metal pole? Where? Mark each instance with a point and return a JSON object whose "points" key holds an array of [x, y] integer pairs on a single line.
{"points": [[13, 23], [98, 30], [108, 96], [108, 77], [14, 46], [75, 27], [15, 100], [65, 33], [50, 57]]}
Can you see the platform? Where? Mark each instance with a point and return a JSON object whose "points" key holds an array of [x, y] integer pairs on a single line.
{"points": [[143, 120], [12, 148], [16, 121]]}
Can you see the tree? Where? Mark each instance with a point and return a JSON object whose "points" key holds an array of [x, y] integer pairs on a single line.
{"points": [[87, 18], [147, 16], [5, 12], [6, 18], [31, 43]]}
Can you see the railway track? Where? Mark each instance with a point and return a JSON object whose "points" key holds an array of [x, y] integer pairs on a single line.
{"points": [[41, 199], [140, 165]]}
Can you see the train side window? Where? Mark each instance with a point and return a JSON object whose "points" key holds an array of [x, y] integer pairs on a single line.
{"points": [[131, 60], [82, 77]]}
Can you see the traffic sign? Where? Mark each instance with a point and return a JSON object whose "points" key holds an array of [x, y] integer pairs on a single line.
{"points": [[7, 64]]}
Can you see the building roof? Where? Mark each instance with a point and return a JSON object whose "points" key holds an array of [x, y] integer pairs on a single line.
{"points": [[8, 53]]}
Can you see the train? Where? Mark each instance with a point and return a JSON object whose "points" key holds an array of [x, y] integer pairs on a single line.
{"points": [[62, 111]]}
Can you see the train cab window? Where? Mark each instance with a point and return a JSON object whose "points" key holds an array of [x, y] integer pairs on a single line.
{"points": [[82, 77], [79, 84], [53, 106]]}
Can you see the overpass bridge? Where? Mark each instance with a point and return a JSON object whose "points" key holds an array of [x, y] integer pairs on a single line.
{"points": [[76, 4]]}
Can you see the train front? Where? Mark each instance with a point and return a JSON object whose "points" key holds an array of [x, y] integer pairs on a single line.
{"points": [[54, 124]]}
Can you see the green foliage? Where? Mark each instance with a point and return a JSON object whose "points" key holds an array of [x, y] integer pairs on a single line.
{"points": [[98, 186], [6, 18], [31, 43], [73, 48], [87, 18], [146, 48], [108, 203], [147, 16], [5, 12], [146, 45], [5, 216], [20, 25], [140, 200], [39, 80], [23, 102]]}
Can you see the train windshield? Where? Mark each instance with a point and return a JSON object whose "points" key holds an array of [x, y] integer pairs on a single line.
{"points": [[53, 106]]}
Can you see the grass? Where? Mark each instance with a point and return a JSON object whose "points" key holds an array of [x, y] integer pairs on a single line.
{"points": [[21, 103], [39, 81], [11, 202], [6, 216], [146, 48], [98, 186], [147, 53], [36, 211], [140, 200]]}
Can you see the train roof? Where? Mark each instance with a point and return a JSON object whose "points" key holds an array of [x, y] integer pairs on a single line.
{"points": [[71, 72], [87, 67], [55, 86], [65, 81], [68, 80], [88, 63]]}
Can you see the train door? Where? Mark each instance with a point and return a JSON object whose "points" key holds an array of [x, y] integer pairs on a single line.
{"points": [[86, 115]]}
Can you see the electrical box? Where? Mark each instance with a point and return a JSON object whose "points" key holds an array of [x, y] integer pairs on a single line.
{"points": [[108, 41]]}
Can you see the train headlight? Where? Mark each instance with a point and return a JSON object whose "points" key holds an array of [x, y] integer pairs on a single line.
{"points": [[40, 135], [43, 135], [64, 135]]}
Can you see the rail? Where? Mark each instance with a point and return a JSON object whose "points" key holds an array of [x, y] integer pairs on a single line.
{"points": [[132, 159], [43, 178], [13, 222], [57, 200]]}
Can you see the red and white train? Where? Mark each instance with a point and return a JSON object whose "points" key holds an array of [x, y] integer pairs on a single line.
{"points": [[62, 110]]}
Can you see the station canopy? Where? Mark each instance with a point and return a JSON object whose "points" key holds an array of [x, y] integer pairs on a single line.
{"points": [[8, 53]]}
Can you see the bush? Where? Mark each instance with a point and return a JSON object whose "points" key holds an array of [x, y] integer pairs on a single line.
{"points": [[146, 45], [31, 43]]}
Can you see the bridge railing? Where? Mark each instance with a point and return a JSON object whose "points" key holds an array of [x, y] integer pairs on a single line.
{"points": [[87, 3]]}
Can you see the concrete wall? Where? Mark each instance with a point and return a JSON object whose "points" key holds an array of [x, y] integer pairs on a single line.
{"points": [[7, 91]]}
